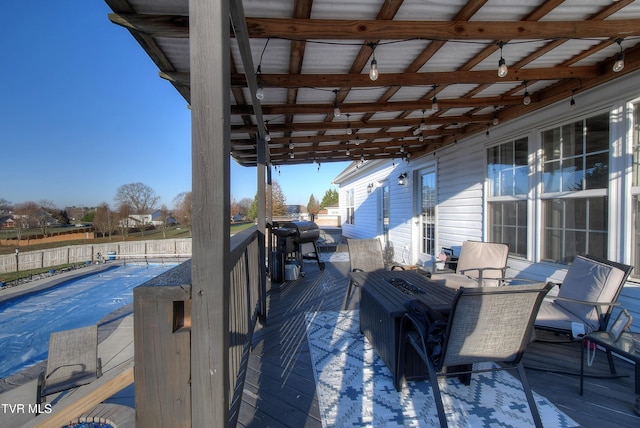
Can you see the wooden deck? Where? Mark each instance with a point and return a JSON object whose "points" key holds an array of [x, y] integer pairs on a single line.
{"points": [[280, 386]]}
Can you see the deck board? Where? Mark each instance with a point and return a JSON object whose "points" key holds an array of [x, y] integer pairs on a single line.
{"points": [[280, 385]]}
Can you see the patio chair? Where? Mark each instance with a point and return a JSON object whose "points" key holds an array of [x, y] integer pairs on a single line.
{"points": [[485, 324], [586, 296], [72, 361], [480, 264], [365, 255]]}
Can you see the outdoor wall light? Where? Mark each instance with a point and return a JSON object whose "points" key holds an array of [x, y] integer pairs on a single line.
{"points": [[370, 187], [402, 179]]}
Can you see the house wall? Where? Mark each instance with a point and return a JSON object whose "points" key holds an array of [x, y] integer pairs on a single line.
{"points": [[460, 172]]}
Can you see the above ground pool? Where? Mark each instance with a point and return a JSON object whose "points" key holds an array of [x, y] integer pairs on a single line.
{"points": [[27, 321]]}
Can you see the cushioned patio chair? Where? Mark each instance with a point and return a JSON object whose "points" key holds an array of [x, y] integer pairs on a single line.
{"points": [[480, 264], [587, 296], [485, 324], [72, 361], [365, 255]]}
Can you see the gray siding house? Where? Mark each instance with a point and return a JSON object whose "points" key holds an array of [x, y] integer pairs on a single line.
{"points": [[552, 184]]}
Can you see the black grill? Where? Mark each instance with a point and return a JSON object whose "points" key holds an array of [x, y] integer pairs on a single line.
{"points": [[292, 236]]}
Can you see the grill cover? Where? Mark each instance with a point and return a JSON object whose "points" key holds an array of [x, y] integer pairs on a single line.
{"points": [[303, 231]]}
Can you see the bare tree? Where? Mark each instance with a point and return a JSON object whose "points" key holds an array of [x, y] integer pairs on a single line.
{"points": [[104, 220], [182, 209], [44, 216], [140, 197], [165, 217], [24, 218], [124, 219]]}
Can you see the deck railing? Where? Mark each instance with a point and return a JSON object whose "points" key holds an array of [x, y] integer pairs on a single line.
{"points": [[162, 318]]}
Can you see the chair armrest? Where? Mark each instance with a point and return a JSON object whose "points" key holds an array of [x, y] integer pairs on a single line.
{"points": [[397, 267], [356, 270]]}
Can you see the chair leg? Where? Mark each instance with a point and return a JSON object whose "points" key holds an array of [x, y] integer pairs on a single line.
{"points": [[437, 396], [527, 391], [347, 297]]}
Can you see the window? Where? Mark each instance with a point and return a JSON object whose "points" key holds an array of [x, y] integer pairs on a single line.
{"points": [[428, 212], [508, 185], [350, 208], [575, 180]]}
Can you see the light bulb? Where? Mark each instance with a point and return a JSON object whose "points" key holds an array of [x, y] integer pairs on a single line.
{"points": [[527, 99], [421, 138], [502, 68], [267, 136], [619, 64], [572, 104], [260, 92], [348, 152], [495, 120], [349, 130], [291, 155], [434, 104], [336, 111], [291, 146], [373, 71], [423, 126]]}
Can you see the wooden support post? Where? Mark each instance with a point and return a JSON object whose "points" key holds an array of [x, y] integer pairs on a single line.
{"points": [[210, 121]]}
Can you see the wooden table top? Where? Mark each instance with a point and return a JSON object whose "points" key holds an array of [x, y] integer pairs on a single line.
{"points": [[387, 287]]}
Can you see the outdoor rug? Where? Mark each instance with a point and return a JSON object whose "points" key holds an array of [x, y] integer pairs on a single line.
{"points": [[355, 388]]}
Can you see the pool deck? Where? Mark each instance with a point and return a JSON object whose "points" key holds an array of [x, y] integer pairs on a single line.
{"points": [[115, 334]]}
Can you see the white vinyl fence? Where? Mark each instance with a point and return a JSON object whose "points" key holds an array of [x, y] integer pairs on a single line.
{"points": [[92, 252]]}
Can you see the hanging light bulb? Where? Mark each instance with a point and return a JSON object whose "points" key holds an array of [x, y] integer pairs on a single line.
{"points": [[267, 136], [260, 90], [373, 70], [434, 101], [291, 155], [357, 141], [290, 145], [349, 130], [423, 125], [495, 120], [401, 149], [336, 107], [348, 152], [527, 98], [572, 102], [486, 134], [421, 138], [619, 64], [502, 64]]}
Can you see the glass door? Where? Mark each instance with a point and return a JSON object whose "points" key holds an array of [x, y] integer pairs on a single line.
{"points": [[427, 207]]}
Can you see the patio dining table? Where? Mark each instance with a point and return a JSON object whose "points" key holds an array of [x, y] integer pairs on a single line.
{"points": [[383, 299]]}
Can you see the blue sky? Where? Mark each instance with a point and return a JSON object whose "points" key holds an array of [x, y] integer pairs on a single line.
{"points": [[83, 112]]}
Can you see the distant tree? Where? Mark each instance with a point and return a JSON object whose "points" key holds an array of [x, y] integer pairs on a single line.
{"points": [[278, 201], [44, 216], [4, 205], [313, 206], [104, 220], [24, 218], [252, 213], [124, 219], [62, 216], [330, 198], [165, 216], [139, 197], [182, 209], [243, 206], [88, 217]]}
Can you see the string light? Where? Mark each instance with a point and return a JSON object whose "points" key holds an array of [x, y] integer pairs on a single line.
{"points": [[373, 70], [336, 107], [267, 136], [619, 64], [572, 102], [260, 90], [495, 120], [434, 102], [527, 98], [357, 139], [291, 155], [290, 145], [349, 130], [423, 126], [502, 64]]}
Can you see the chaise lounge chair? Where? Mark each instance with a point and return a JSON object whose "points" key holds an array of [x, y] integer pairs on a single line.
{"points": [[486, 324], [72, 361], [481, 264]]}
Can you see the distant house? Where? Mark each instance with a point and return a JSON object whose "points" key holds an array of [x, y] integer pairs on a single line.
{"points": [[151, 218], [6, 222]]}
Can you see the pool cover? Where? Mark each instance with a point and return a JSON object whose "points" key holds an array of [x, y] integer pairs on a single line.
{"points": [[27, 321]]}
